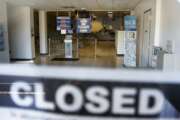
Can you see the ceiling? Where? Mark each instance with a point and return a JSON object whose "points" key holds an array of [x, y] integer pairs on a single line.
{"points": [[93, 5]]}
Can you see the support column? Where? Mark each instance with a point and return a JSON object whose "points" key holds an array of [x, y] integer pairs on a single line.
{"points": [[43, 32]]}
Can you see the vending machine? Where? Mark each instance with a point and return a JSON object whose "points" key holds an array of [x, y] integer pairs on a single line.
{"points": [[130, 41]]}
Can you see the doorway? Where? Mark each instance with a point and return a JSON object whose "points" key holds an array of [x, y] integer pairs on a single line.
{"points": [[147, 43]]}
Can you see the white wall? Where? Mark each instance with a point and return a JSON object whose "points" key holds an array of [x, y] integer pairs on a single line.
{"points": [[4, 55], [170, 27], [139, 10], [20, 20], [166, 25]]}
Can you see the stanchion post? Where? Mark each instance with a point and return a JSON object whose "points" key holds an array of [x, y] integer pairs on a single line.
{"points": [[49, 41], [95, 48]]}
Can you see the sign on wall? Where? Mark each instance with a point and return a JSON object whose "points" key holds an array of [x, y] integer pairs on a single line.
{"points": [[83, 25], [130, 23], [63, 24], [1, 38], [26, 95]]}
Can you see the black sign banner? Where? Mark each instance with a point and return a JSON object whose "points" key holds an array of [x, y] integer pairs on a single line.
{"points": [[87, 94]]}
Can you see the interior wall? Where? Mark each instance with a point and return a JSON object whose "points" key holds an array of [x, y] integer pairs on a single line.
{"points": [[4, 55], [21, 30], [170, 27], [139, 10], [117, 22]]}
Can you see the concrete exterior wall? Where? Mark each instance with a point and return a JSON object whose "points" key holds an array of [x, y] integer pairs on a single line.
{"points": [[4, 55], [21, 30]]}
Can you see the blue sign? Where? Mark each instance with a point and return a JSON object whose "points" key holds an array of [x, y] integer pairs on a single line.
{"points": [[63, 23], [130, 23], [1, 38], [84, 25]]}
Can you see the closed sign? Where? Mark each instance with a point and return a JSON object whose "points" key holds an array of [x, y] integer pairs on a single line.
{"points": [[34, 96]]}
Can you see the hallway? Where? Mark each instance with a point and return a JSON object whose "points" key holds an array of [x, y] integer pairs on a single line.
{"points": [[103, 55]]}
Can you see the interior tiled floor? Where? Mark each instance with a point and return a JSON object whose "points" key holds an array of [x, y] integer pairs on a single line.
{"points": [[101, 54]]}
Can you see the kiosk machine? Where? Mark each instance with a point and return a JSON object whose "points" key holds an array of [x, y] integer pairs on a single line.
{"points": [[130, 41]]}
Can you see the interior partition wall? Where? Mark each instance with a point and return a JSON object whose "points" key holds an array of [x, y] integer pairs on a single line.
{"points": [[21, 32]]}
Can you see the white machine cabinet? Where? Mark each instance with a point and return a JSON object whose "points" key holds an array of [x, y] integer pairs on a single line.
{"points": [[130, 49], [120, 42], [68, 47]]}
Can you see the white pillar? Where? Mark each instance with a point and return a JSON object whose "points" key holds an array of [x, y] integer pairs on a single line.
{"points": [[43, 32]]}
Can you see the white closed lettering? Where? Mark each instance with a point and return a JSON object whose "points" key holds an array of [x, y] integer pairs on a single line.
{"points": [[77, 97], [20, 94], [92, 100], [146, 95], [99, 103], [120, 100]]}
